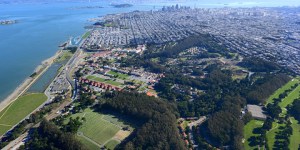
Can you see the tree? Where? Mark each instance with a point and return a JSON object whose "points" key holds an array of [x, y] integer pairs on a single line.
{"points": [[49, 136], [273, 110], [73, 125], [159, 130], [294, 109]]}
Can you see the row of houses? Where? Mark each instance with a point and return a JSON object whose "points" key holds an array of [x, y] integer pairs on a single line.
{"points": [[100, 85]]}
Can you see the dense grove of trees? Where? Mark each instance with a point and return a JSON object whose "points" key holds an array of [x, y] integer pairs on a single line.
{"points": [[49, 136], [273, 110], [294, 109], [265, 87], [159, 130], [206, 41], [259, 65], [225, 126], [73, 125]]}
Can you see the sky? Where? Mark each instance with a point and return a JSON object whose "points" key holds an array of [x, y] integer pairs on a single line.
{"points": [[270, 3]]}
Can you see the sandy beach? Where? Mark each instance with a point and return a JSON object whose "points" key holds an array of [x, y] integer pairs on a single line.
{"points": [[26, 84]]}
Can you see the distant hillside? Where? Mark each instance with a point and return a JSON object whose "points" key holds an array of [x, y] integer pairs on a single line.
{"points": [[121, 5]]}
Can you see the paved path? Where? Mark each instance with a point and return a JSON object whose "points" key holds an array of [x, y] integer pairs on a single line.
{"points": [[197, 122], [15, 144], [274, 127]]}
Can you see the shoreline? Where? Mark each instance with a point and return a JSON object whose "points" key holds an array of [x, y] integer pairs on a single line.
{"points": [[28, 82]]}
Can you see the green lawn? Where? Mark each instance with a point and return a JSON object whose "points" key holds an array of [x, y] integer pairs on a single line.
{"points": [[183, 59], [113, 119], [248, 132], [19, 109], [91, 77], [282, 89], [96, 127], [272, 133], [4, 129], [86, 35], [89, 145], [290, 98], [119, 75], [155, 59], [96, 78], [113, 83], [66, 55], [295, 137], [112, 144]]}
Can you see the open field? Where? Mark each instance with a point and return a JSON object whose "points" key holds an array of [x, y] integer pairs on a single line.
{"points": [[96, 78], [19, 109], [64, 56], [87, 143], [290, 98], [121, 135], [86, 35], [248, 132], [99, 129], [112, 144], [119, 75], [4, 128], [113, 83], [295, 137], [272, 133]]}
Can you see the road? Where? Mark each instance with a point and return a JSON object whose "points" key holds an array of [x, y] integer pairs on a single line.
{"points": [[15, 144], [197, 122]]}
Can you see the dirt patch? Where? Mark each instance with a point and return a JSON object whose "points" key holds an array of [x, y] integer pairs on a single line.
{"points": [[121, 135]]}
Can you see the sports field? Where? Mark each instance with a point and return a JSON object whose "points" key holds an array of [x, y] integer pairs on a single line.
{"points": [[87, 143], [99, 129], [19, 109], [112, 144]]}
